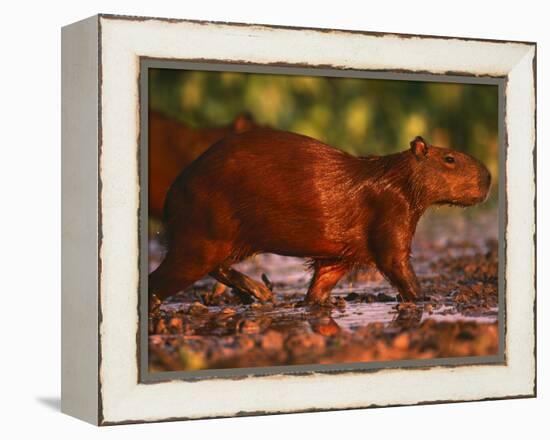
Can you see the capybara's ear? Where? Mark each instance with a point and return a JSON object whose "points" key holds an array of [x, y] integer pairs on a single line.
{"points": [[419, 147], [243, 122]]}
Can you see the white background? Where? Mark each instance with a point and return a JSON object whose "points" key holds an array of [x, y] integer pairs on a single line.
{"points": [[30, 216]]}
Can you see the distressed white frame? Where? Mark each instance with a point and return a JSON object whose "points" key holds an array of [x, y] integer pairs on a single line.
{"points": [[122, 41]]}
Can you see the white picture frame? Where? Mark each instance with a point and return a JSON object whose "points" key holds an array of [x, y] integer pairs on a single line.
{"points": [[101, 199]]}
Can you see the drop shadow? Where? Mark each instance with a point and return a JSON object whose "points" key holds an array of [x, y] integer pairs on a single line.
{"points": [[52, 403]]}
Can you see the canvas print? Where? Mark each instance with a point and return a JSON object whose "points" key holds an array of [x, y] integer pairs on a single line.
{"points": [[320, 220]]}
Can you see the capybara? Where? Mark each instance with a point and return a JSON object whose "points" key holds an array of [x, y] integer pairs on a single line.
{"points": [[273, 191], [173, 145]]}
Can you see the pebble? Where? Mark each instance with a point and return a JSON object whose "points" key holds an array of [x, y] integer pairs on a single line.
{"points": [[382, 297], [370, 298], [176, 325], [198, 309], [248, 327], [161, 327], [245, 343], [272, 340], [352, 296], [341, 303], [402, 341], [261, 307], [226, 312], [219, 289], [305, 342]]}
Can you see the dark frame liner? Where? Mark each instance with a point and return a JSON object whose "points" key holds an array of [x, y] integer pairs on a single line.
{"points": [[144, 376]]}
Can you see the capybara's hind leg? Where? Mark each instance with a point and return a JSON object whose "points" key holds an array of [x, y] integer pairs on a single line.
{"points": [[164, 281], [233, 278], [325, 277], [174, 275]]}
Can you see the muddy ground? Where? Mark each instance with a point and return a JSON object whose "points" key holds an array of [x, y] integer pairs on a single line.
{"points": [[455, 255]]}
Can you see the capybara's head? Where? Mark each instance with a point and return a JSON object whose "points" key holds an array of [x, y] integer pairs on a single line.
{"points": [[449, 176]]}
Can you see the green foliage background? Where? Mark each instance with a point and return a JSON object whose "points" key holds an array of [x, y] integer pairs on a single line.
{"points": [[361, 116]]}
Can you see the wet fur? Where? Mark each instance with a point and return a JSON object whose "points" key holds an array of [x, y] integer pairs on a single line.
{"points": [[273, 191]]}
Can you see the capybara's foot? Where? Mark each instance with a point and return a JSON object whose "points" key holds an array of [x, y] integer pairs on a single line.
{"points": [[315, 300], [242, 283], [407, 305], [260, 292]]}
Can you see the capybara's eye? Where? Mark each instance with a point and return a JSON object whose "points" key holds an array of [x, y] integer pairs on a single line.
{"points": [[449, 159]]}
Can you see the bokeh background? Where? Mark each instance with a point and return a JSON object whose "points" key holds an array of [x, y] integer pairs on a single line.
{"points": [[360, 116]]}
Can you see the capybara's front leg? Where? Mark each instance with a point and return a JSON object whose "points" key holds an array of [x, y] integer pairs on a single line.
{"points": [[233, 278], [398, 270], [325, 277]]}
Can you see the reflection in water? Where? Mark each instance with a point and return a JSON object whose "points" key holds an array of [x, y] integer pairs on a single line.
{"points": [[324, 324]]}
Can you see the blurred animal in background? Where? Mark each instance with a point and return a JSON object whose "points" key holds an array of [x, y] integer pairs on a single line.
{"points": [[173, 145]]}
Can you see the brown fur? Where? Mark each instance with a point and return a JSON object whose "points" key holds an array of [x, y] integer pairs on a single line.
{"points": [[174, 145], [273, 191]]}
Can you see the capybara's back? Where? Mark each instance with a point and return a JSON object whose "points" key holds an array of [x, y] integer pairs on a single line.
{"points": [[279, 192], [266, 191]]}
